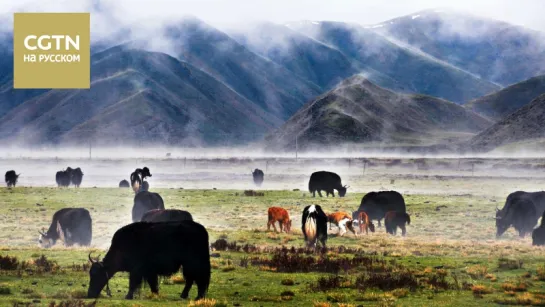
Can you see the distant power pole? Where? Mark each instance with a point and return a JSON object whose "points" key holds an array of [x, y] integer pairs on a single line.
{"points": [[296, 147], [90, 147]]}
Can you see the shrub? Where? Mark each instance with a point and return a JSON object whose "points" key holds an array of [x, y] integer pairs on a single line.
{"points": [[205, 302], [541, 273], [481, 289], [72, 303], [5, 289], [399, 293], [387, 281], [287, 282], [509, 264], [477, 271], [326, 283], [8, 263], [515, 287]]}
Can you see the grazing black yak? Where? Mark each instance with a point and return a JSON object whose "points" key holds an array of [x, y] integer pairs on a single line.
{"points": [[149, 250], [11, 178], [70, 225], [145, 201], [314, 225], [376, 204], [520, 213], [394, 219], [258, 176], [326, 181], [76, 177], [166, 215], [124, 184]]}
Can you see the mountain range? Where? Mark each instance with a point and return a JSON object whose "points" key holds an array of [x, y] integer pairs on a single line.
{"points": [[358, 111], [205, 86]]}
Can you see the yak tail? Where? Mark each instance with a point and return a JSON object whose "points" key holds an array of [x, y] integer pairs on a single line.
{"points": [[408, 219], [310, 228]]}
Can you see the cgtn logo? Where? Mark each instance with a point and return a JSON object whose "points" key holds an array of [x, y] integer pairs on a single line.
{"points": [[64, 43], [52, 50]]}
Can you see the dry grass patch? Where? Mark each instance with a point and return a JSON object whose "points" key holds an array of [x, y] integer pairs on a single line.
{"points": [[477, 271]]}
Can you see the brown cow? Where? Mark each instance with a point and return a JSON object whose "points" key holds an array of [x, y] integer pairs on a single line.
{"points": [[394, 219], [280, 215], [342, 220], [364, 222]]}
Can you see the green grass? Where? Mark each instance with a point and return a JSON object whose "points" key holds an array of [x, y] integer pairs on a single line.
{"points": [[456, 240]]}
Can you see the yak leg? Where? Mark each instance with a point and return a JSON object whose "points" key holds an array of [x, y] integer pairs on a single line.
{"points": [[153, 283], [189, 279], [269, 225], [379, 223], [281, 226], [134, 283], [320, 193], [403, 230], [313, 193]]}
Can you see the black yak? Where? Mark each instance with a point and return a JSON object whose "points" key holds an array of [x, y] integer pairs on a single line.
{"points": [[394, 219], [520, 213], [166, 215], [11, 178], [145, 201], [149, 250], [258, 176], [314, 225], [124, 184], [376, 204], [138, 176], [326, 181], [63, 178], [76, 176], [70, 225]]}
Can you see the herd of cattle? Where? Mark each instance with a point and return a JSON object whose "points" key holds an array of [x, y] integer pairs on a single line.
{"points": [[160, 241]]}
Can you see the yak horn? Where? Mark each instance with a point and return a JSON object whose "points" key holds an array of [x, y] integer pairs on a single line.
{"points": [[94, 261]]}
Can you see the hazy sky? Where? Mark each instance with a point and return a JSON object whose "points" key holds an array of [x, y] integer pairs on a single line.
{"points": [[224, 13]]}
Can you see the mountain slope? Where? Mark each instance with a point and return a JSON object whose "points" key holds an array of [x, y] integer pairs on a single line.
{"points": [[395, 66], [495, 50], [269, 85], [524, 124], [357, 111], [302, 55], [503, 102], [139, 95]]}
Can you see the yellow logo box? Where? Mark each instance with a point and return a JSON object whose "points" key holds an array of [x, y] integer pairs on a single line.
{"points": [[52, 50]]}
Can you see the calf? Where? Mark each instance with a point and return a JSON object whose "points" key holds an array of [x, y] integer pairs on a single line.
{"points": [[149, 250], [395, 219], [167, 215], [70, 225], [280, 215], [11, 178], [314, 226], [342, 220], [364, 222]]}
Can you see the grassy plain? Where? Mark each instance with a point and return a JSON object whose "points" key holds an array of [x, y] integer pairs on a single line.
{"points": [[450, 256]]}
